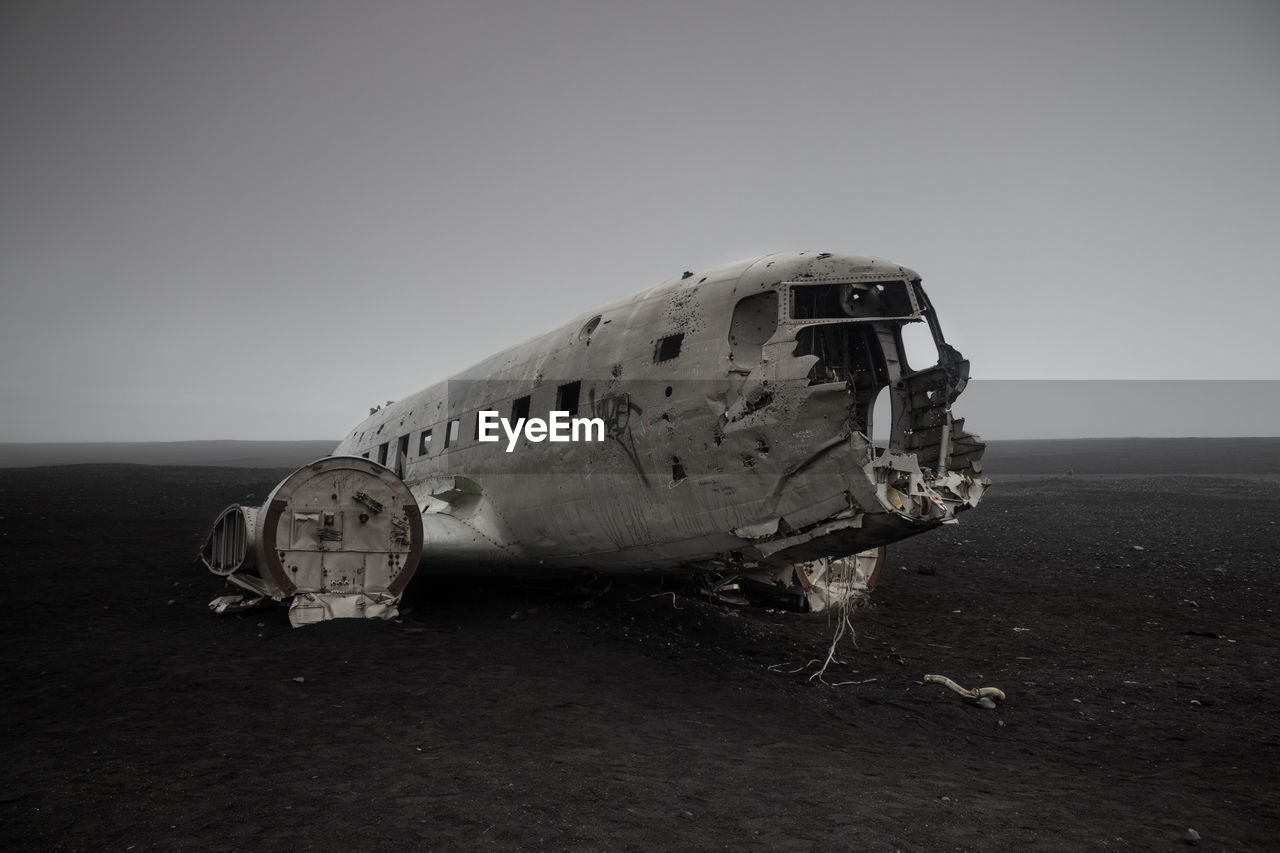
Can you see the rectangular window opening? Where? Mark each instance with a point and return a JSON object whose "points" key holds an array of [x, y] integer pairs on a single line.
{"points": [[382, 453], [520, 409], [668, 348], [567, 398], [853, 301], [451, 434], [424, 443]]}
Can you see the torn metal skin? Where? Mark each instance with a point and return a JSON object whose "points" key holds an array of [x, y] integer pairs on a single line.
{"points": [[737, 404]]}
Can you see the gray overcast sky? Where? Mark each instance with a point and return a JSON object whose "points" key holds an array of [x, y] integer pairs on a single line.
{"points": [[255, 220]]}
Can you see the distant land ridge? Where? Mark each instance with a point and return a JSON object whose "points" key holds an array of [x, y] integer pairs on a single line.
{"points": [[1227, 456], [232, 454]]}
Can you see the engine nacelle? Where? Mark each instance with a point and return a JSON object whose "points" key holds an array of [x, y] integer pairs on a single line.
{"points": [[342, 536]]}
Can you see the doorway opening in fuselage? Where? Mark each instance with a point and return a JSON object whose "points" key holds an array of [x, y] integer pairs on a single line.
{"points": [[851, 353]]}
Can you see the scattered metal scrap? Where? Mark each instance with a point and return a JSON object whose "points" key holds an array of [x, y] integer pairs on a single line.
{"points": [[984, 696]]}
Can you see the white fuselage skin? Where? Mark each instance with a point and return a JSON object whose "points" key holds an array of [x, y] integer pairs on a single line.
{"points": [[735, 412]]}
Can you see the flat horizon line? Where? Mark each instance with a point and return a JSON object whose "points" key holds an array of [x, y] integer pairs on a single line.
{"points": [[335, 441]]}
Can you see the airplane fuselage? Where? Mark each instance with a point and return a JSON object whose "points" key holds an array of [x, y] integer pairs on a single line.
{"points": [[729, 417], [737, 406]]}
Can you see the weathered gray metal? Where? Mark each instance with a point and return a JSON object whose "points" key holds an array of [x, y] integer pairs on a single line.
{"points": [[342, 536], [737, 405]]}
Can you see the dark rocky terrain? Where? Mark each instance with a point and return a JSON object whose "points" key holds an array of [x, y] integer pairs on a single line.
{"points": [[1129, 619]]}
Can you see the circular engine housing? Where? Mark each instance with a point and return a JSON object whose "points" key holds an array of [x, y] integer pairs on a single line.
{"points": [[342, 525]]}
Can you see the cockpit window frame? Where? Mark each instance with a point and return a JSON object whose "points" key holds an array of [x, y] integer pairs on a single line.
{"points": [[788, 303]]}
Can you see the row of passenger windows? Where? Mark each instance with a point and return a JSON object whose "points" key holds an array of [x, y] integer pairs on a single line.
{"points": [[665, 349], [566, 401]]}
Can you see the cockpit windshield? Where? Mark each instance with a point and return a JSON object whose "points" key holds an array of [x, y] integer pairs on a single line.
{"points": [[870, 300]]}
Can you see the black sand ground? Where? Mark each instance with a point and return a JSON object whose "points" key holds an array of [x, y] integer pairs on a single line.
{"points": [[1130, 620]]}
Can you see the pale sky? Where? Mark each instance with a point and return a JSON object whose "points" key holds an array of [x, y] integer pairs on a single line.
{"points": [[256, 220]]}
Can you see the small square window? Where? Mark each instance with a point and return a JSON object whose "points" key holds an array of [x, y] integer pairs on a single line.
{"points": [[567, 398], [668, 348], [520, 408]]}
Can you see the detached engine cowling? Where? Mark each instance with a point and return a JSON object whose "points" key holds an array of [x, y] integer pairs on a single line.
{"points": [[342, 535]]}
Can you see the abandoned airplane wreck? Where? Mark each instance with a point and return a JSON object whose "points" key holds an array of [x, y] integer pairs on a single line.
{"points": [[735, 411]]}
